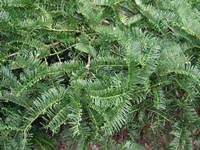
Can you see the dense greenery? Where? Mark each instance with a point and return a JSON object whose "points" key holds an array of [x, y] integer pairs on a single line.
{"points": [[86, 71]]}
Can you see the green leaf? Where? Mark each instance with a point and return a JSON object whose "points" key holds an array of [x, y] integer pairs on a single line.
{"points": [[86, 49]]}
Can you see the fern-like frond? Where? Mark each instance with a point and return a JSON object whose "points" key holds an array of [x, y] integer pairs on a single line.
{"points": [[76, 117], [181, 140], [42, 104], [57, 118], [116, 117], [107, 62]]}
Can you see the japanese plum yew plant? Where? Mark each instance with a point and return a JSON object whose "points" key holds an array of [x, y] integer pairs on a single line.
{"points": [[104, 74]]}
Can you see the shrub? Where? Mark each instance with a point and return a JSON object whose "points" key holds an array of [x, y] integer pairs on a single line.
{"points": [[88, 71]]}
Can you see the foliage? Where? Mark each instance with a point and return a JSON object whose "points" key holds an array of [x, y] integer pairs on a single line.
{"points": [[93, 68]]}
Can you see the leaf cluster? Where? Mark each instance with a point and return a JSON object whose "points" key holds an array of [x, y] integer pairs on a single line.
{"points": [[86, 70]]}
